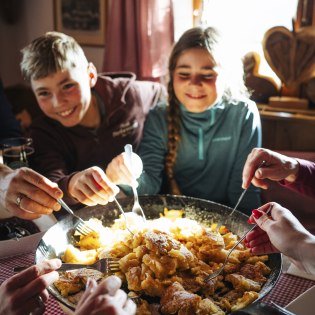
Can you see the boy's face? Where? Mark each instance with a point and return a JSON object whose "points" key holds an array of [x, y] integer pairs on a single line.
{"points": [[66, 95], [194, 80]]}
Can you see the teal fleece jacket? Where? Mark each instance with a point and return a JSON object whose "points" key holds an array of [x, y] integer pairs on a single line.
{"points": [[212, 152]]}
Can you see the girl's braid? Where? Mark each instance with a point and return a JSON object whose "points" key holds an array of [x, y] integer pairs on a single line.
{"points": [[173, 120]]}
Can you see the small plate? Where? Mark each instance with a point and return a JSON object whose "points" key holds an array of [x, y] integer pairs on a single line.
{"points": [[29, 243], [303, 304]]}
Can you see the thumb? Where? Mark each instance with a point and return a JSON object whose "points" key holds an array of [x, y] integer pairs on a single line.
{"points": [[101, 178]]}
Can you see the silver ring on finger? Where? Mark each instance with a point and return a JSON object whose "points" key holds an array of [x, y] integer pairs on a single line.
{"points": [[19, 200]]}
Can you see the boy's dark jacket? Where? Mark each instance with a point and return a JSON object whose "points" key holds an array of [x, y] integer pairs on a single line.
{"points": [[124, 103]]}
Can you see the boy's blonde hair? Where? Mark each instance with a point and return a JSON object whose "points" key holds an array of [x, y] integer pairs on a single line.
{"points": [[50, 53]]}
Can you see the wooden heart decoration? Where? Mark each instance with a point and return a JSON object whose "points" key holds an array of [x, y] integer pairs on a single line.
{"points": [[291, 55]]}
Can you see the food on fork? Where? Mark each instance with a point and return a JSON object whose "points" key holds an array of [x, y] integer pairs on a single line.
{"points": [[168, 259], [71, 282]]}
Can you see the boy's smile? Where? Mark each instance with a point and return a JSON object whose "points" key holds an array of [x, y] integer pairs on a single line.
{"points": [[66, 97], [67, 113]]}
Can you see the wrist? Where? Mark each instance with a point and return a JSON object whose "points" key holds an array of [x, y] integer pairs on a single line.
{"points": [[293, 167], [307, 254]]}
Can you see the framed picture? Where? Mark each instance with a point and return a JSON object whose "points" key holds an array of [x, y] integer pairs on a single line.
{"points": [[82, 19]]}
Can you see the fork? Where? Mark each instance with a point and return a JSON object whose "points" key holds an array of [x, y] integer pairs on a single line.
{"points": [[136, 205], [123, 214], [106, 265], [244, 191], [80, 225], [218, 271]]}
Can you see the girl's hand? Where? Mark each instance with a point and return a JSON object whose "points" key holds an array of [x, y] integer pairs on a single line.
{"points": [[119, 170], [92, 187]]}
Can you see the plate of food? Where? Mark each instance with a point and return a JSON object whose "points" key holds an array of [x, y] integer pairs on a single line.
{"points": [[164, 262]]}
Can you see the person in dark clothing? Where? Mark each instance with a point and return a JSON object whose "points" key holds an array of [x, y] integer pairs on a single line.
{"points": [[88, 117], [24, 105]]}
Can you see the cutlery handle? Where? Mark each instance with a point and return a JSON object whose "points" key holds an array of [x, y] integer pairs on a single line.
{"points": [[238, 201], [128, 151], [65, 206], [65, 266], [244, 191], [123, 213]]}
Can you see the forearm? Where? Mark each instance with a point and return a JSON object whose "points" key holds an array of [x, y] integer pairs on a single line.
{"points": [[307, 254]]}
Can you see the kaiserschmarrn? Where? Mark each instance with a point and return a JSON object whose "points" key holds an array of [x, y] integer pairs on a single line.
{"points": [[167, 260]]}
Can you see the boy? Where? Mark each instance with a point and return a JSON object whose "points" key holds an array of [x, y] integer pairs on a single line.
{"points": [[88, 118]]}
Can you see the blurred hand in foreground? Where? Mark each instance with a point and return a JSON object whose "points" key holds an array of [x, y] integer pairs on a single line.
{"points": [[105, 298]]}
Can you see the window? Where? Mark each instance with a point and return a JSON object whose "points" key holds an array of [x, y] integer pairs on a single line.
{"points": [[243, 22]]}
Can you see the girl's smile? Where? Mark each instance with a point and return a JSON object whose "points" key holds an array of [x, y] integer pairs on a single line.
{"points": [[194, 79]]}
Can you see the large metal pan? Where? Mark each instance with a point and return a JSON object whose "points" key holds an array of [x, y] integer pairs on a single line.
{"points": [[56, 239]]}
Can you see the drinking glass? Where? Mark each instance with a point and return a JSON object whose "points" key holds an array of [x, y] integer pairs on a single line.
{"points": [[16, 151]]}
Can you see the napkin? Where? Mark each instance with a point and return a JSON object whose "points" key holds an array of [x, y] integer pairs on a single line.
{"points": [[295, 271], [303, 304]]}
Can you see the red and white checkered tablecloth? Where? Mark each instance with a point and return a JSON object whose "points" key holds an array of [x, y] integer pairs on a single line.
{"points": [[287, 288], [6, 271]]}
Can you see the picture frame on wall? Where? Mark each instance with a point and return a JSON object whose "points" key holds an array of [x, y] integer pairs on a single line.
{"points": [[84, 20]]}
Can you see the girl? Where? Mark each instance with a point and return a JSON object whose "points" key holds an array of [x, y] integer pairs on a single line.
{"points": [[198, 143]]}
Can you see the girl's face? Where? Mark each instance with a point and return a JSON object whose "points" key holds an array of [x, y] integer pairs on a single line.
{"points": [[194, 80]]}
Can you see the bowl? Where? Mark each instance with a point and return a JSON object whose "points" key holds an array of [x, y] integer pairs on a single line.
{"points": [[29, 243]]}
